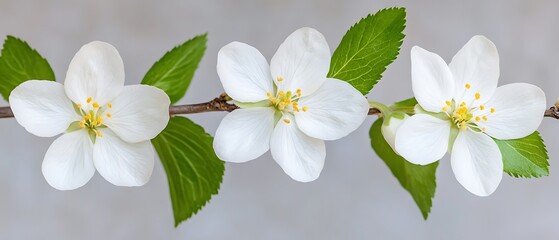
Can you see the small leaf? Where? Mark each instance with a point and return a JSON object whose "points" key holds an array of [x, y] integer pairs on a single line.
{"points": [[525, 157], [193, 170], [418, 180], [368, 48], [19, 63], [174, 71], [410, 102]]}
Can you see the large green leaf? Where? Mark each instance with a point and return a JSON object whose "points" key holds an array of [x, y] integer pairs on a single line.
{"points": [[419, 181], [174, 71], [368, 48], [525, 157], [193, 170], [19, 63]]}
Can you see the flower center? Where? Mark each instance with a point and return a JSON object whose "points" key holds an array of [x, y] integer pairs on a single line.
{"points": [[463, 115], [286, 102], [92, 117]]}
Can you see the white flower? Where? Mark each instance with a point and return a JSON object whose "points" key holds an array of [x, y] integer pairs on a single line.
{"points": [[292, 106], [470, 111], [390, 126], [107, 126]]}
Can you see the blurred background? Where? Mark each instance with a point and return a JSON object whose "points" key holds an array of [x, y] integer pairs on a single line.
{"points": [[356, 196]]}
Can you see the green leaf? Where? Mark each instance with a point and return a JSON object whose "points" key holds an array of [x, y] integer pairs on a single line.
{"points": [[19, 63], [406, 106], [174, 71], [418, 180], [410, 102], [525, 157], [193, 170], [368, 48]]}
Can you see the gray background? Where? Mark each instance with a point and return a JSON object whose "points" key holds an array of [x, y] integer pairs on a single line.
{"points": [[355, 198]]}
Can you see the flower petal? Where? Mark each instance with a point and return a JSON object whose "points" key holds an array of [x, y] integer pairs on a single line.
{"points": [[390, 126], [302, 61], [333, 111], [431, 79], [300, 156], [244, 72], [42, 107], [96, 71], [477, 64], [68, 163], [476, 162], [139, 113], [122, 163], [423, 139], [244, 134], [518, 111]]}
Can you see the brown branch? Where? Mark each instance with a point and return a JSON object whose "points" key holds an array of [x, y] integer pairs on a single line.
{"points": [[6, 112], [218, 104], [221, 104], [552, 112]]}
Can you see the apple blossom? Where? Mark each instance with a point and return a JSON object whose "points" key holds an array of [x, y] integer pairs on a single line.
{"points": [[463, 109], [289, 106], [107, 126]]}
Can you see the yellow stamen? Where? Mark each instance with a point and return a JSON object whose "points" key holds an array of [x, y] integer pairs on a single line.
{"points": [[109, 115], [287, 121], [492, 110], [483, 129], [99, 120], [445, 108], [484, 118], [299, 92], [280, 79], [110, 105], [305, 109], [295, 106], [288, 95], [462, 104], [468, 86], [481, 107], [82, 123], [478, 96], [448, 103], [87, 117], [89, 99], [79, 106], [96, 105], [478, 118]]}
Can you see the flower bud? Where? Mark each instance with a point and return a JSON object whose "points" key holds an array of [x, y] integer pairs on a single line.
{"points": [[391, 125]]}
